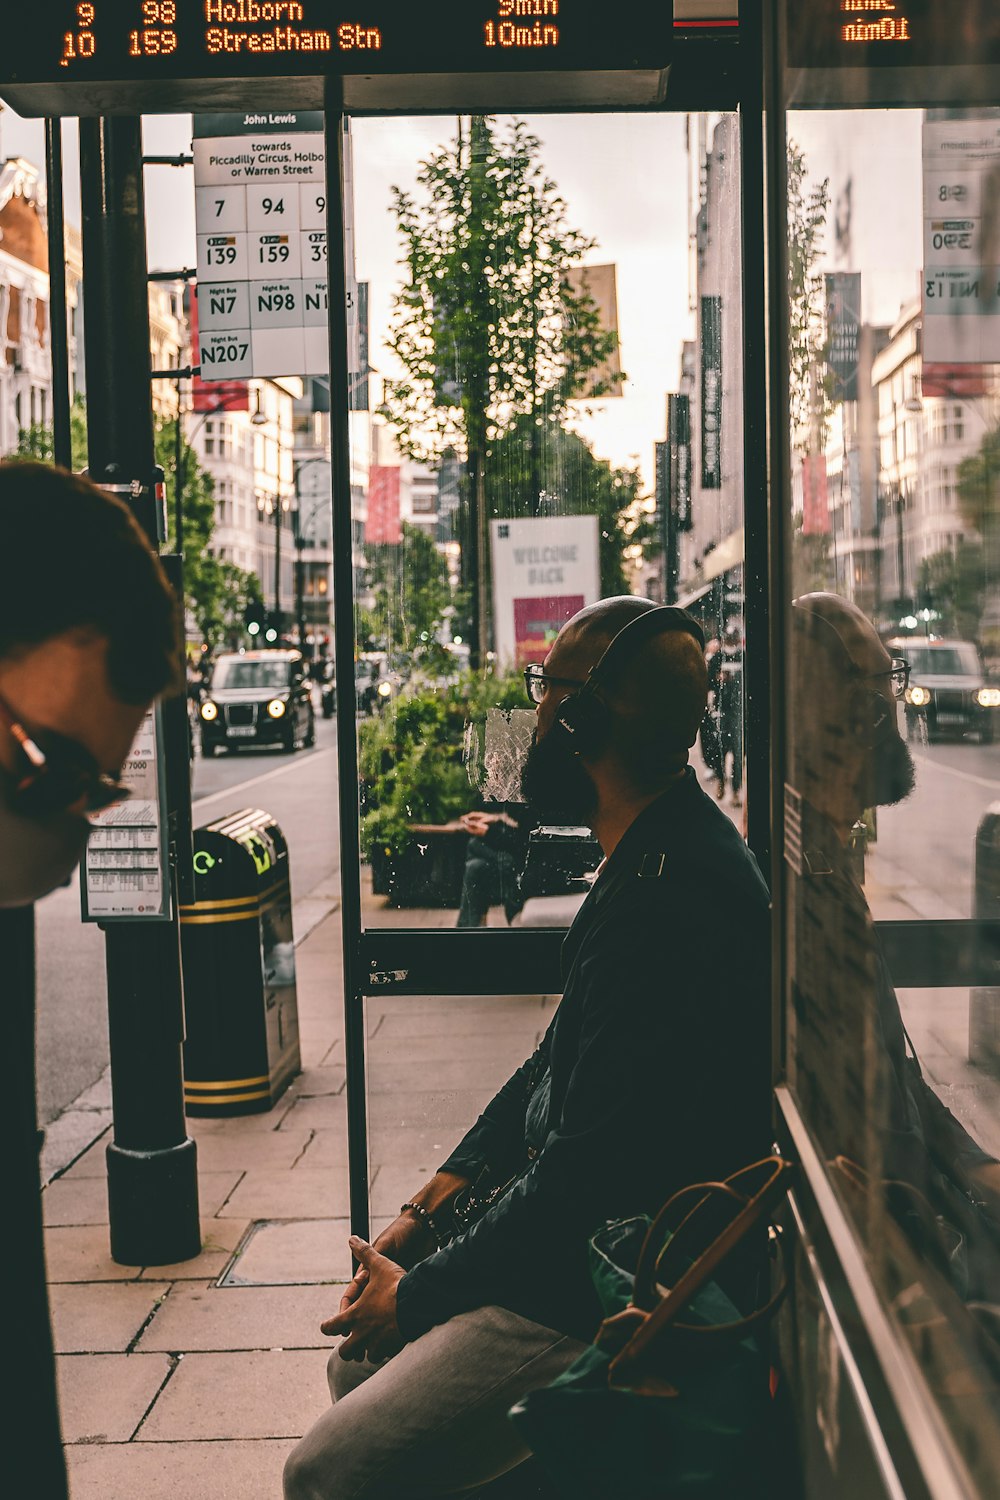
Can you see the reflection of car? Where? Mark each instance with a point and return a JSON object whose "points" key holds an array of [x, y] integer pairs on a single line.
{"points": [[257, 698], [374, 683], [948, 692]]}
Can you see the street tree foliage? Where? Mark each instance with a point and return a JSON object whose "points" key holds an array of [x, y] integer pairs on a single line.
{"points": [[979, 487], [409, 579], [490, 326], [954, 584], [571, 481], [216, 592], [810, 405]]}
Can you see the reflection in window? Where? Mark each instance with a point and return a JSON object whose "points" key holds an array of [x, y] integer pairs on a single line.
{"points": [[556, 417], [895, 408]]}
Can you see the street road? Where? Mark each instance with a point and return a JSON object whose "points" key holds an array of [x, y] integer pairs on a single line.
{"points": [[298, 790], [926, 843]]}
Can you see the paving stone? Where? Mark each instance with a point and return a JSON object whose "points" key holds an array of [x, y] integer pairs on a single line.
{"points": [[224, 1153], [202, 1317], [198, 1127], [324, 1113], [305, 1193], [178, 1471], [327, 1149], [298, 1252], [103, 1397], [394, 1185], [82, 1252], [389, 1077], [219, 1238], [76, 1132], [398, 1145], [430, 1109], [84, 1200], [262, 1394], [101, 1317], [318, 1081]]}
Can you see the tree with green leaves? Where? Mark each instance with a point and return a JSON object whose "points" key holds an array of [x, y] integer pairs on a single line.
{"points": [[954, 585], [492, 329], [409, 579], [810, 405], [216, 592]]}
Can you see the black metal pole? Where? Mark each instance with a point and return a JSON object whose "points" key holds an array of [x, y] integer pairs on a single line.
{"points": [[343, 613], [180, 466], [277, 561], [32, 1403], [62, 445], [300, 609], [152, 1165]]}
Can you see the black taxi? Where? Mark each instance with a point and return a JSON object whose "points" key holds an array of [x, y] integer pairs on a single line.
{"points": [[257, 698]]}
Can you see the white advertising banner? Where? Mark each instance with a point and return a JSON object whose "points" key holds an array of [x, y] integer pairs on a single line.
{"points": [[961, 286], [260, 221], [544, 570]]}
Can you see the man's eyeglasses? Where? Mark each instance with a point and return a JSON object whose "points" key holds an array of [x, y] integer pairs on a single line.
{"points": [[898, 675], [56, 772], [537, 680]]}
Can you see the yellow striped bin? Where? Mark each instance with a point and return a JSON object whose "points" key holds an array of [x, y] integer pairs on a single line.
{"points": [[241, 1048]]}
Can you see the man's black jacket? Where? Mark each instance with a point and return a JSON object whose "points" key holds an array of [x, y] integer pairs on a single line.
{"points": [[653, 1074]]}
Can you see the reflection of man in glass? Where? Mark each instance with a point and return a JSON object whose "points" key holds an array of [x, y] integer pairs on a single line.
{"points": [[854, 1068], [654, 1073]]}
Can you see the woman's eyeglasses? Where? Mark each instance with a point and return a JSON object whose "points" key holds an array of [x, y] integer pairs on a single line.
{"points": [[56, 772]]}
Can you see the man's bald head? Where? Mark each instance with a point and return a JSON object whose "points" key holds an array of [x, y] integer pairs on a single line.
{"points": [[656, 692]]}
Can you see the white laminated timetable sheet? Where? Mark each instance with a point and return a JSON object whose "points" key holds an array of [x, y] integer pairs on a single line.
{"points": [[125, 868], [260, 218]]}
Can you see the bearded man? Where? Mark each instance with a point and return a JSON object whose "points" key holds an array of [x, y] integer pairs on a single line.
{"points": [[653, 1074]]}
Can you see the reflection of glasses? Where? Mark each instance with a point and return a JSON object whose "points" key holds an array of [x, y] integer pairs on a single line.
{"points": [[898, 674], [537, 680], [57, 772]]}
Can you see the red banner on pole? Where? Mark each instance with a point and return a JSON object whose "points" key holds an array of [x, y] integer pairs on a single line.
{"points": [[383, 504], [815, 499]]}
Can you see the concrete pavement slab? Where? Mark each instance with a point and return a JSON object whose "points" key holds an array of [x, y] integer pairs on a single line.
{"points": [[103, 1397], [82, 1252], [327, 1148], [102, 1317], [325, 1112], [239, 1125], [430, 1108], [178, 1471], [297, 1252], [305, 1193], [218, 1151], [85, 1200], [315, 1050], [71, 1134], [219, 1238], [388, 1076], [315, 1082], [198, 1316], [398, 1145], [262, 1394]]}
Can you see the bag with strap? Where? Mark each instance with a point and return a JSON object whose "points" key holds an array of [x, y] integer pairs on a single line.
{"points": [[672, 1399]]}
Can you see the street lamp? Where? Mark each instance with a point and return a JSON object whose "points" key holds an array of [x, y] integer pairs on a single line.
{"points": [[269, 505]]}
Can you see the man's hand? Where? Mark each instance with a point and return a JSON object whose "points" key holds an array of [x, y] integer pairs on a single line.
{"points": [[367, 1317], [480, 823]]}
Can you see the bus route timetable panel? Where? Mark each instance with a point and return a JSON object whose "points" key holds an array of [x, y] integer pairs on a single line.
{"points": [[106, 56]]}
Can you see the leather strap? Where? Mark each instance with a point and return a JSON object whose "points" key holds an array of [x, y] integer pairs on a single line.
{"points": [[755, 1205]]}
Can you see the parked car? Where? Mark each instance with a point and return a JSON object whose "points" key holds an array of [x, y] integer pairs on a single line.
{"points": [[948, 692], [257, 698]]}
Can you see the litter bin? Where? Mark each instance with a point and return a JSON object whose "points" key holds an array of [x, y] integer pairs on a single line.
{"points": [[242, 1045]]}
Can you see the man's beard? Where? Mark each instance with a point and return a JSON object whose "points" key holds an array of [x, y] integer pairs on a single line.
{"points": [[893, 772], [554, 783]]}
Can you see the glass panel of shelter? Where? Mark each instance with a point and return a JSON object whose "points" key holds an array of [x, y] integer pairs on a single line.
{"points": [[554, 417], [502, 259], [892, 787]]}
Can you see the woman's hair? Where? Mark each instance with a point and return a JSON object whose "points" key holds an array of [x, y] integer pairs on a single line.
{"points": [[72, 556]]}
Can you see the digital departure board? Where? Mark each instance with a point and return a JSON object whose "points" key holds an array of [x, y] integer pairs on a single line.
{"points": [[92, 57], [893, 33]]}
